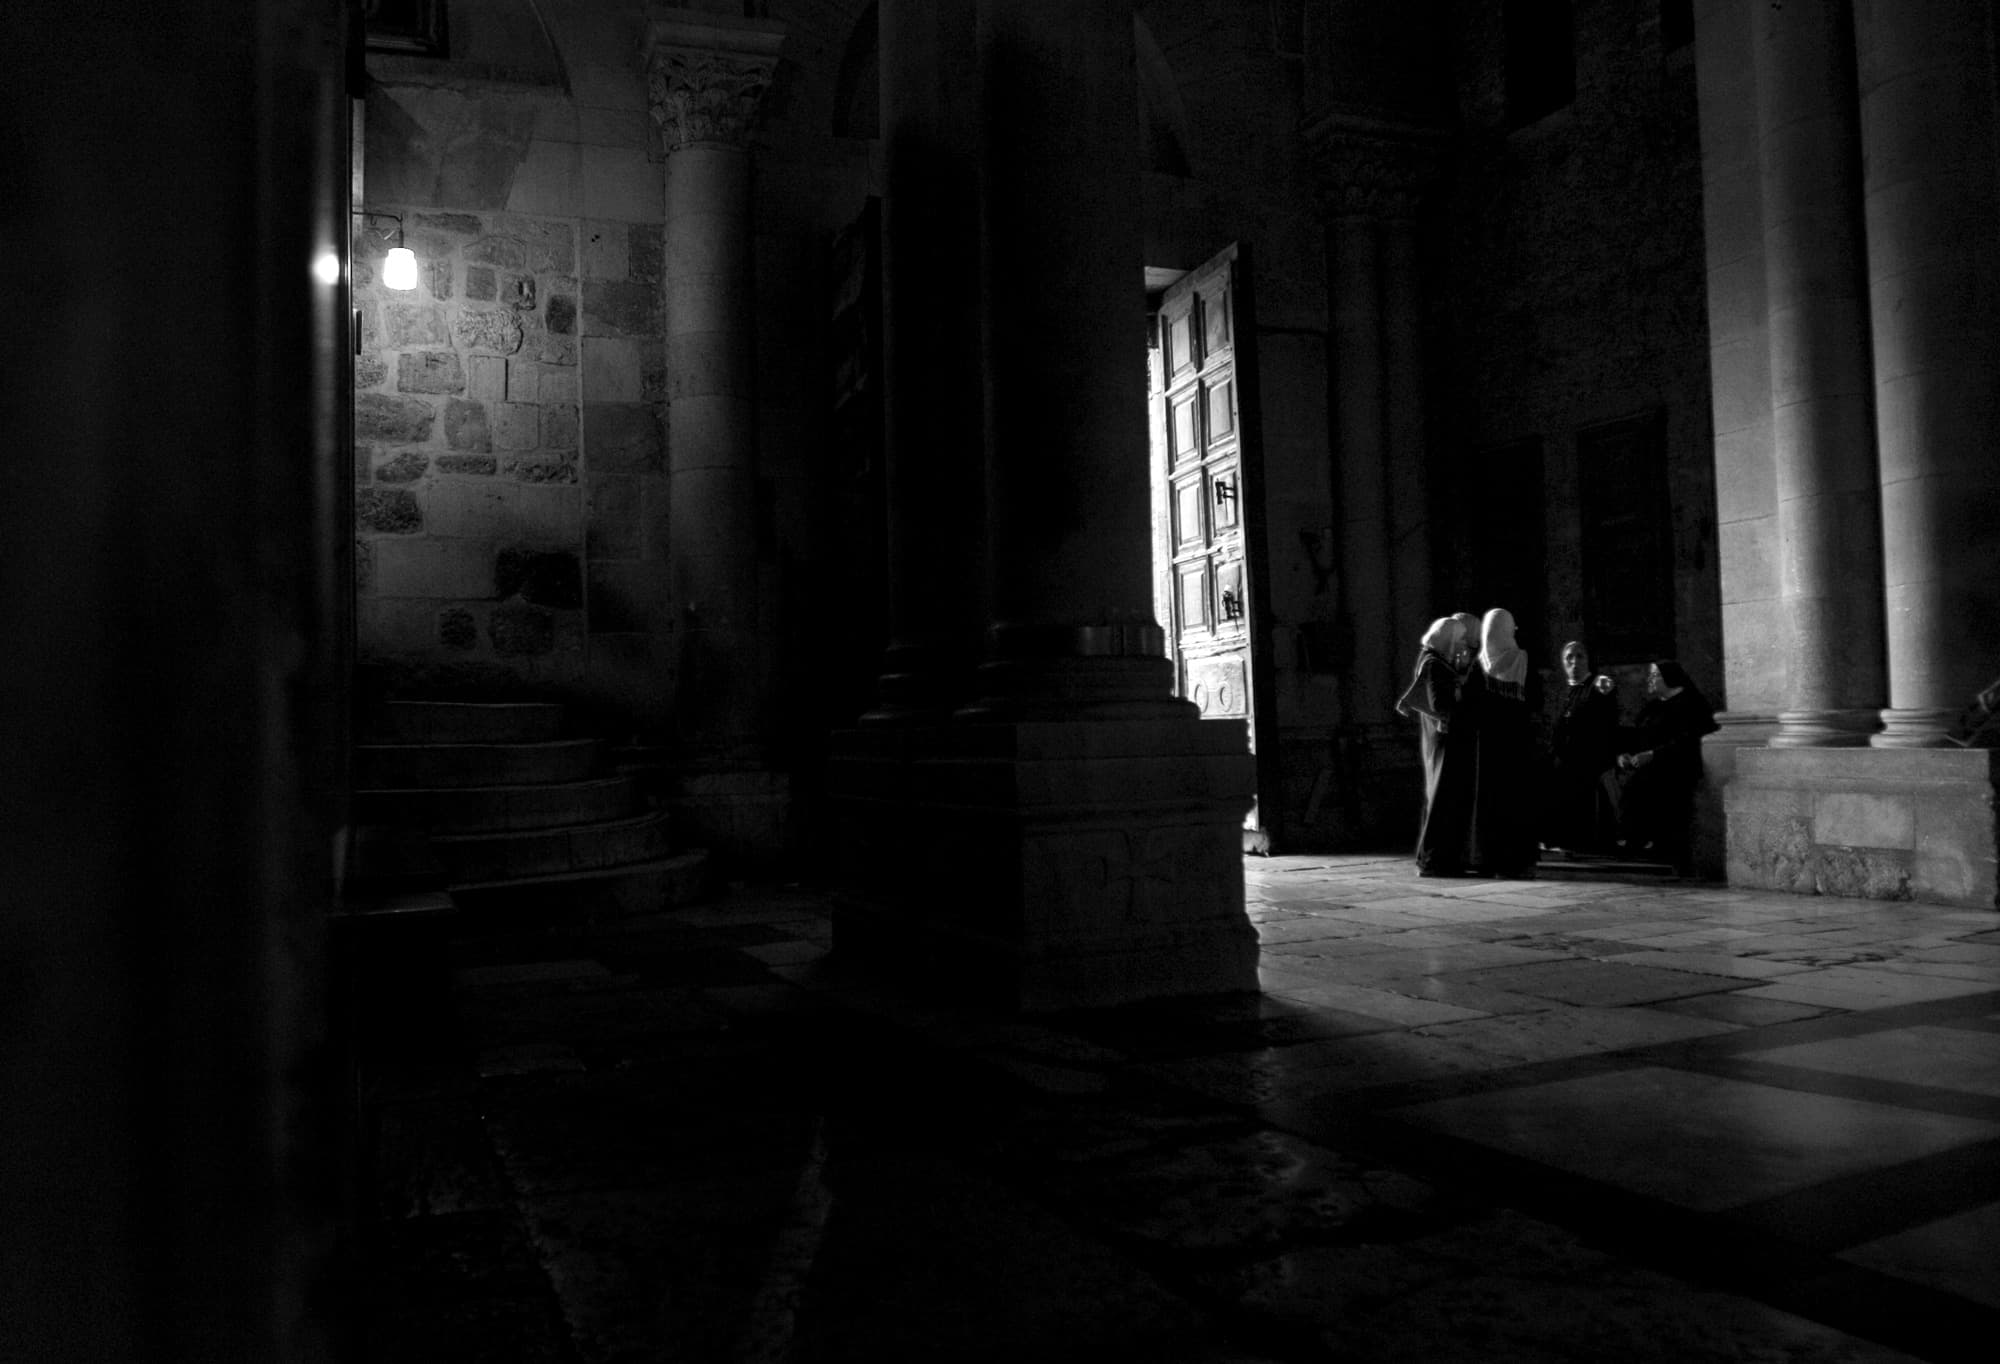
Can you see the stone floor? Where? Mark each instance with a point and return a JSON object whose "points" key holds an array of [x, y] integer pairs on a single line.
{"points": [[1467, 1120]]}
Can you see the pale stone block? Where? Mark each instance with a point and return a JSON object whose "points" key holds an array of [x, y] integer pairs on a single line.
{"points": [[1855, 819], [546, 182], [1736, 301], [612, 127], [516, 426], [513, 512], [1740, 381], [1749, 555], [1755, 637], [558, 385], [1746, 480], [611, 370], [427, 567], [606, 250], [620, 182], [710, 432], [387, 628], [613, 80], [523, 381]]}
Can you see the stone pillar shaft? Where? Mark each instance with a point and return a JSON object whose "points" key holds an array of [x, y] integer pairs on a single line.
{"points": [[1927, 75], [707, 74], [1069, 560], [933, 412], [1408, 458], [1360, 433], [1822, 415]]}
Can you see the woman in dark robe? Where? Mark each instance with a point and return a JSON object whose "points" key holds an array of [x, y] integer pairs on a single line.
{"points": [[1583, 745], [1447, 738], [1503, 830], [1661, 764]]}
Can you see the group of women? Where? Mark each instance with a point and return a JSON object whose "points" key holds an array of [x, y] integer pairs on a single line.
{"points": [[1491, 802]]}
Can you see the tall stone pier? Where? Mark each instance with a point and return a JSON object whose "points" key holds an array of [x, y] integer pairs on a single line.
{"points": [[1072, 835]]}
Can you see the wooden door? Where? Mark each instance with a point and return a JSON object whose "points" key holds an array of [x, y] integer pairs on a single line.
{"points": [[1203, 588]]}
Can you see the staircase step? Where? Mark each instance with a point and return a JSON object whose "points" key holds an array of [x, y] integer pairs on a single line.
{"points": [[402, 766], [496, 809], [641, 888], [468, 722], [477, 859]]}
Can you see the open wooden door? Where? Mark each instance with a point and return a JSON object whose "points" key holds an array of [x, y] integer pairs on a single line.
{"points": [[1207, 536]]}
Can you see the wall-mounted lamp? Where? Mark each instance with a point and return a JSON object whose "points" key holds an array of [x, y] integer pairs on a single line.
{"points": [[399, 270]]}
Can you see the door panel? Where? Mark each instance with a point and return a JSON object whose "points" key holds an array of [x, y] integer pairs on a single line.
{"points": [[1202, 553]]}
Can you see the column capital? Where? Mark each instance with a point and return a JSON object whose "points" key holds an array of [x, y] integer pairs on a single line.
{"points": [[1372, 168], [706, 74]]}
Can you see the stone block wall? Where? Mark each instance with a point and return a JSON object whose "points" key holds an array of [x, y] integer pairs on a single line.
{"points": [[1575, 295], [508, 430]]}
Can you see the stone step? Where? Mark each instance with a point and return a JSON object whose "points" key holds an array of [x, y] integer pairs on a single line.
{"points": [[479, 859], [403, 766], [663, 884], [467, 722], [496, 809]]}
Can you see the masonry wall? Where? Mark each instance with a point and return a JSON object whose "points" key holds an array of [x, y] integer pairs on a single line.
{"points": [[510, 476], [1573, 295]]}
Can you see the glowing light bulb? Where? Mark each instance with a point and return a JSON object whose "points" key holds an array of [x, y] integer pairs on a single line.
{"points": [[399, 271], [326, 268]]}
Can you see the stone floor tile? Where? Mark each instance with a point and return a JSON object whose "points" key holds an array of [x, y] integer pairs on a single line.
{"points": [[1699, 1141], [1944, 1058], [1502, 1288], [1744, 1013], [1284, 1076], [1600, 983], [1711, 963], [1954, 1254], [926, 1260], [1519, 1038], [1373, 1003], [1851, 987]]}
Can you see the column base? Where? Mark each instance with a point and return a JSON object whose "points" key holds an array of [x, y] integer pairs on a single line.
{"points": [[1888, 825], [740, 814], [1916, 727], [1825, 728], [1740, 729], [1044, 865]]}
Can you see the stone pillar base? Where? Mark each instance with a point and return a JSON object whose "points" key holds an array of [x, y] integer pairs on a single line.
{"points": [[741, 816], [1889, 824], [1045, 865], [1740, 730]]}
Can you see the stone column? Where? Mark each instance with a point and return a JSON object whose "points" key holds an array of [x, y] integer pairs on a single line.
{"points": [[1809, 154], [1076, 834], [706, 74], [1927, 77], [1069, 537], [1372, 176], [1360, 445], [1406, 446], [933, 403]]}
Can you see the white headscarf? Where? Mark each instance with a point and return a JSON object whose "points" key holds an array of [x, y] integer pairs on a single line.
{"points": [[1444, 635], [1503, 661]]}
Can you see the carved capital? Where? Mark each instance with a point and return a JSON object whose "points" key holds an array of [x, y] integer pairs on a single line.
{"points": [[706, 74], [1369, 169]]}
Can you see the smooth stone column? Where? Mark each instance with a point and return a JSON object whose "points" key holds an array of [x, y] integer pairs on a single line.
{"points": [[1069, 540], [1927, 77], [933, 399], [1407, 470], [707, 73], [1372, 178], [1823, 433]]}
